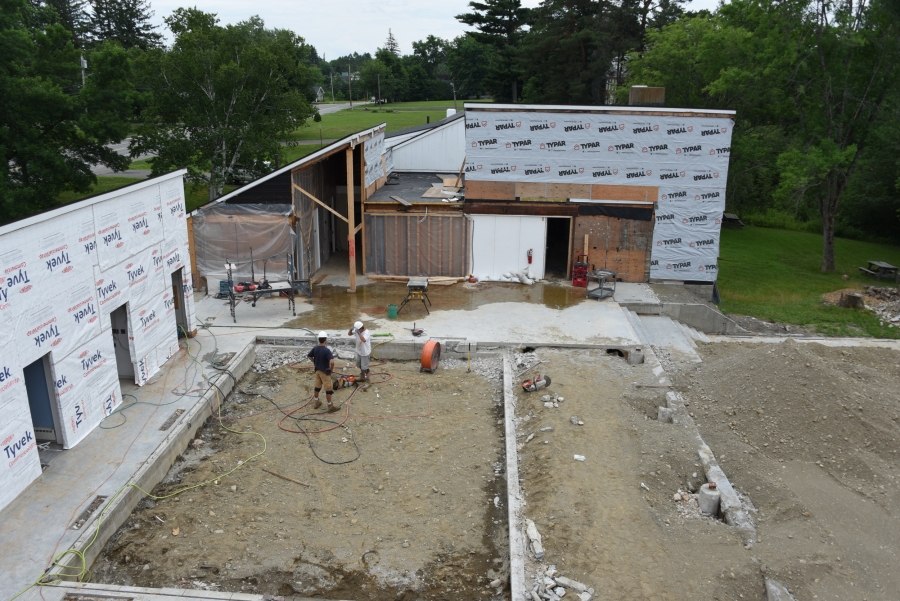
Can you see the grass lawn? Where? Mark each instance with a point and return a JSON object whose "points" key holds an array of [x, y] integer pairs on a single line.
{"points": [[105, 183], [774, 274], [197, 196], [292, 153], [344, 123], [141, 164]]}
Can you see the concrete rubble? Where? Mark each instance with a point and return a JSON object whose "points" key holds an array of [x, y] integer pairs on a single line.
{"points": [[549, 586], [535, 538]]}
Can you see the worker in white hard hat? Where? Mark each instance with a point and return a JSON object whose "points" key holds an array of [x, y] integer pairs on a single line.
{"points": [[363, 349], [323, 362]]}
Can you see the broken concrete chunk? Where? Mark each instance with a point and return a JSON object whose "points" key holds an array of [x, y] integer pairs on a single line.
{"points": [[535, 537], [572, 584], [530, 436], [664, 415], [775, 591], [545, 398], [574, 420], [549, 581], [547, 429], [548, 405], [585, 597]]}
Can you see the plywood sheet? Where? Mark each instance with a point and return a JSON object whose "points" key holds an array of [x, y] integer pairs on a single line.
{"points": [[621, 245], [491, 190], [531, 189], [569, 190], [605, 192], [439, 192]]}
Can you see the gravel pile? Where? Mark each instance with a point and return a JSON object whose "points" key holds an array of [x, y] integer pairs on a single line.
{"points": [[885, 302]]}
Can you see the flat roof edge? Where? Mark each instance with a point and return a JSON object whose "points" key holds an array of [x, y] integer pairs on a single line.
{"points": [[593, 109], [87, 202]]}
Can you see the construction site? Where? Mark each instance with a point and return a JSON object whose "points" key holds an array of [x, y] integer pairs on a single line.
{"points": [[555, 408]]}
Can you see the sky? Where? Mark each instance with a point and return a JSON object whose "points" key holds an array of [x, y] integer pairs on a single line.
{"points": [[339, 27]]}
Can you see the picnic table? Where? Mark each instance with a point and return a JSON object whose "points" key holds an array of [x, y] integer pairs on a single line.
{"points": [[880, 269]]}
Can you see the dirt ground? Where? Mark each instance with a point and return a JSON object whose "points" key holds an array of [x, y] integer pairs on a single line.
{"points": [[812, 433], [420, 515], [599, 525]]}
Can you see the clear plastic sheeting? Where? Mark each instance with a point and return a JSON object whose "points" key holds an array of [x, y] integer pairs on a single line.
{"points": [[225, 232], [416, 245], [314, 240]]}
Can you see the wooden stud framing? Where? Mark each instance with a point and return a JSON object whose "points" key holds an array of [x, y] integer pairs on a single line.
{"points": [[316, 200], [571, 245], [363, 197]]}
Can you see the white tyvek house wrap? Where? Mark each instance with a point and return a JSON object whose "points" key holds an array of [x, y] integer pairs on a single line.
{"points": [[686, 157], [373, 150], [60, 278], [87, 389]]}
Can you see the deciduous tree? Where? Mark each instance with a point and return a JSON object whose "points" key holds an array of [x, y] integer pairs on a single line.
{"points": [[221, 96]]}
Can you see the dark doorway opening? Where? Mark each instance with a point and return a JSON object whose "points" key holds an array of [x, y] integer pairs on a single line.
{"points": [[39, 385], [557, 255], [119, 322], [178, 295]]}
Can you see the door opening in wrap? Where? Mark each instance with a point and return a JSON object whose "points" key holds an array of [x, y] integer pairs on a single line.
{"points": [[38, 385], [124, 360]]}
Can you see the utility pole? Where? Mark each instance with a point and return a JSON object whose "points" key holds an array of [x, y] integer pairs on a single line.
{"points": [[332, 87], [378, 77], [350, 82]]}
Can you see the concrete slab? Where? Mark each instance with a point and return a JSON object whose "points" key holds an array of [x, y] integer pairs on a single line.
{"points": [[671, 336], [602, 324], [635, 294]]}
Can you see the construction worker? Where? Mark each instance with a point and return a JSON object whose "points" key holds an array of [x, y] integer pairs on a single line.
{"points": [[323, 362], [363, 349]]}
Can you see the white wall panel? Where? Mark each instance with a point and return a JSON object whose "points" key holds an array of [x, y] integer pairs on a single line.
{"points": [[440, 150], [500, 244], [61, 275]]}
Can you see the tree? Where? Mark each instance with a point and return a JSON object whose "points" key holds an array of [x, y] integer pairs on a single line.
{"points": [[432, 51], [128, 22], [500, 23], [391, 44], [468, 64], [221, 96], [71, 14], [846, 77], [52, 129]]}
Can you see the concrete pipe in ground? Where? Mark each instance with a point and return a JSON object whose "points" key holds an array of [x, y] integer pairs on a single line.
{"points": [[708, 498]]}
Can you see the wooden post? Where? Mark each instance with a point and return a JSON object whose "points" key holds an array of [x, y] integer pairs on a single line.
{"points": [[351, 222], [586, 244], [571, 246]]}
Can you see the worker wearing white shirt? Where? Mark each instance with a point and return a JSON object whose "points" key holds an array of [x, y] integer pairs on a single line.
{"points": [[363, 348]]}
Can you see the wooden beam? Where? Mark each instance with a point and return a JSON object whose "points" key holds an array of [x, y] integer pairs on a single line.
{"points": [[358, 227], [351, 221], [571, 245], [405, 203], [314, 199]]}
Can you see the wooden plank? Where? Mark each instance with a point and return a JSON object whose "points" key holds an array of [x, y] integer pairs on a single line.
{"points": [[606, 192], [351, 220], [569, 190], [586, 247], [570, 245], [440, 193], [405, 203], [531, 190], [316, 200], [479, 190]]}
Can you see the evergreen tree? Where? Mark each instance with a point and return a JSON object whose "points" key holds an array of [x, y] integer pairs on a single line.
{"points": [[501, 24], [391, 44], [125, 21], [71, 14]]}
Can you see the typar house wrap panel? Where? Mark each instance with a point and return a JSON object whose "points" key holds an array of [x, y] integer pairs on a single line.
{"points": [[685, 154]]}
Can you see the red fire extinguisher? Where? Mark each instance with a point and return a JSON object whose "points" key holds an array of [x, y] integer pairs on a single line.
{"points": [[530, 254]]}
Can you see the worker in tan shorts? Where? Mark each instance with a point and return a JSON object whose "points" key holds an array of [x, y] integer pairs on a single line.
{"points": [[323, 362]]}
